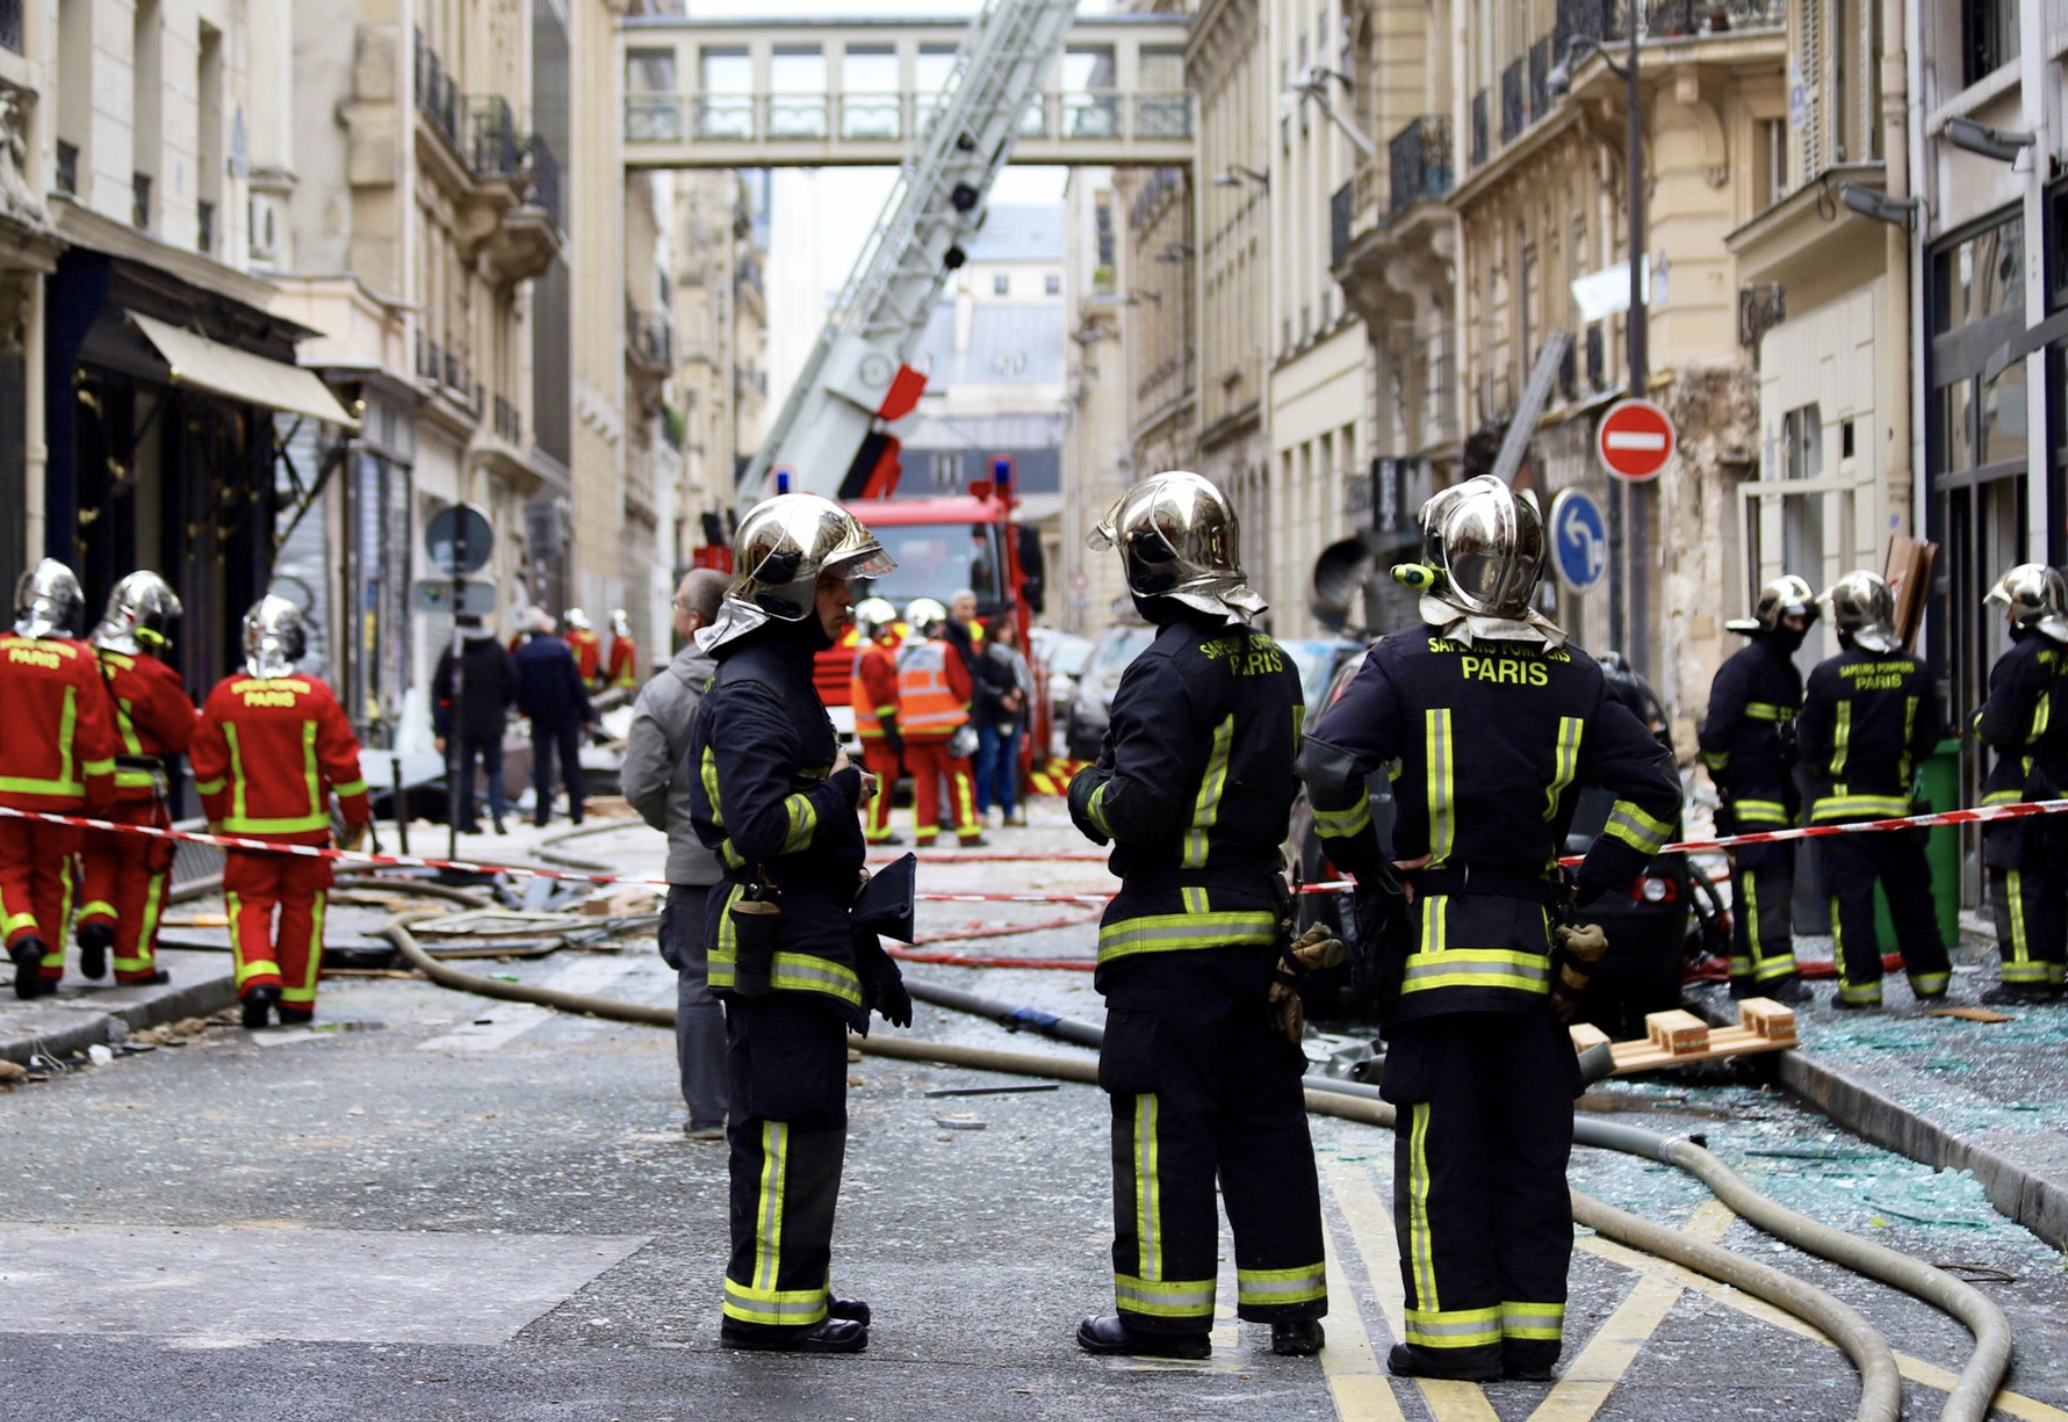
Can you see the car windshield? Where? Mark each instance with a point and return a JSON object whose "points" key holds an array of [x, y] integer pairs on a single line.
{"points": [[937, 560], [1313, 661], [1118, 647], [1070, 655]]}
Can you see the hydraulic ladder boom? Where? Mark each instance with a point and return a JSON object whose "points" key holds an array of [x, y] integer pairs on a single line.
{"points": [[857, 374]]}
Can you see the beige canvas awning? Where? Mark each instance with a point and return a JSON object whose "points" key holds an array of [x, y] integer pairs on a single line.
{"points": [[240, 375]]}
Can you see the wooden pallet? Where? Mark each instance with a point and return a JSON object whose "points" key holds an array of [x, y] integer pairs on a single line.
{"points": [[1678, 1038]]}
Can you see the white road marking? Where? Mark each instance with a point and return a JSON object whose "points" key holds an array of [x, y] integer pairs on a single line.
{"points": [[500, 1023]]}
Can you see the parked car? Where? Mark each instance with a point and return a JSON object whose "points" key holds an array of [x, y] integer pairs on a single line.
{"points": [[1648, 925], [1092, 708]]}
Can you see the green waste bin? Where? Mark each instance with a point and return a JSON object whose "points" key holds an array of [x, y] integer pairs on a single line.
{"points": [[1940, 782]]}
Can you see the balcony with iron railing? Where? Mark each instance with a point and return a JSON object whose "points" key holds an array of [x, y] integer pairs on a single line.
{"points": [[494, 150], [1663, 19], [545, 178], [1514, 103], [509, 424], [1420, 163], [437, 94]]}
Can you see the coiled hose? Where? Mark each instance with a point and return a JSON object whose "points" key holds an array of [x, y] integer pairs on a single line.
{"points": [[1880, 1384]]}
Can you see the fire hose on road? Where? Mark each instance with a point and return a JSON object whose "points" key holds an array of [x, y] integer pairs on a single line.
{"points": [[1869, 1351]]}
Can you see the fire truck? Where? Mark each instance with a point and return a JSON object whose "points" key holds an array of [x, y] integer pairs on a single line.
{"points": [[837, 432]]}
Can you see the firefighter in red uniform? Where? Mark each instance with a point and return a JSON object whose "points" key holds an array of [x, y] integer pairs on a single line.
{"points": [[272, 749], [873, 693], [124, 877], [934, 691], [624, 652], [587, 647], [58, 756]]}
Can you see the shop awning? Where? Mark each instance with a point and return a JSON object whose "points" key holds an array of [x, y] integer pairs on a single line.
{"points": [[240, 375]]}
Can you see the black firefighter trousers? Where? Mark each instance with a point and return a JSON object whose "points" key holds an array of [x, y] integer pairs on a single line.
{"points": [[786, 1061], [1852, 864], [1485, 1129], [1201, 1086]]}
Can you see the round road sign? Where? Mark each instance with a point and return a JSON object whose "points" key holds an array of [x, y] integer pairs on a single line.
{"points": [[1579, 540], [449, 528], [1636, 440]]}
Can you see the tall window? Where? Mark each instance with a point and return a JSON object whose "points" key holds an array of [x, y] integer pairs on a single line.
{"points": [[1801, 458], [1988, 37]]}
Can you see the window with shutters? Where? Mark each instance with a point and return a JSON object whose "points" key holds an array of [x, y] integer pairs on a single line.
{"points": [[1809, 114]]}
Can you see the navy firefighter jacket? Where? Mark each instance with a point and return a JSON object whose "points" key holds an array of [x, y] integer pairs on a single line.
{"points": [[1489, 746], [1194, 787]]}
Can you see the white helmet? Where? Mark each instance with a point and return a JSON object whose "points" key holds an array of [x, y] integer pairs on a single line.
{"points": [[924, 616], [275, 638], [1863, 610], [577, 619], [873, 616], [784, 545], [1179, 538], [2037, 597]]}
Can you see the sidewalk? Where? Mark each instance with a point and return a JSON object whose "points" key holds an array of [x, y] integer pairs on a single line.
{"points": [[1990, 1098], [85, 1014]]}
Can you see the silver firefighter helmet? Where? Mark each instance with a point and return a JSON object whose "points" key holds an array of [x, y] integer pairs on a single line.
{"points": [[48, 602], [784, 546], [1863, 610], [1785, 596], [873, 616], [924, 616], [1483, 555], [1179, 538], [141, 611], [2037, 597], [275, 638]]}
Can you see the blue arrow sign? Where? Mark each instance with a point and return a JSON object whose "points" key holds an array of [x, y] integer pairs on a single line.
{"points": [[1579, 540]]}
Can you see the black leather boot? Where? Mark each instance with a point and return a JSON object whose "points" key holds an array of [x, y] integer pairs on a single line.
{"points": [[27, 954], [1406, 1361], [94, 942], [853, 1310], [257, 1004], [835, 1335], [1107, 1335], [1297, 1338]]}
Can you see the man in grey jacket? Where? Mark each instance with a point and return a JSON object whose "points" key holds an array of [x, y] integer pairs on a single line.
{"points": [[656, 783]]}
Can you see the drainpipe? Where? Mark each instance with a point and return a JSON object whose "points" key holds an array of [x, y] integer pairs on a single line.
{"points": [[1902, 476]]}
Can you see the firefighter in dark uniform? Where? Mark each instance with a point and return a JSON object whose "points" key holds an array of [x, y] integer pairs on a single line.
{"points": [[2025, 720], [773, 795], [1194, 786], [1870, 717], [1490, 724], [1748, 745]]}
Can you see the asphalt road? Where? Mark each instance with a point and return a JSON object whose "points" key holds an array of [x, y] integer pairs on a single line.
{"points": [[467, 1209]]}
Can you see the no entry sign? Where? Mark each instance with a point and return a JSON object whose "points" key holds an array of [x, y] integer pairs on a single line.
{"points": [[1636, 440]]}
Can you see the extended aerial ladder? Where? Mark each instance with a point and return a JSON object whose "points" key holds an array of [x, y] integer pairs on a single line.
{"points": [[828, 438]]}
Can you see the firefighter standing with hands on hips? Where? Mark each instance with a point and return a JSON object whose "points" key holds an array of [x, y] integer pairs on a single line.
{"points": [[1193, 787], [2025, 721], [1869, 718], [934, 693], [272, 751], [124, 877], [873, 693], [58, 757], [1491, 723], [774, 796], [1748, 744]]}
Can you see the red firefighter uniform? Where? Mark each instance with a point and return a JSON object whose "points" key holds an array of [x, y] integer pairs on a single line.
{"points": [[873, 693], [588, 653], [57, 756], [124, 877], [269, 754], [624, 661], [934, 691]]}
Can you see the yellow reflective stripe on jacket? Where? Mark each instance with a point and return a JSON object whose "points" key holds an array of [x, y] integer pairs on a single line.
{"points": [[1207, 808], [807, 972], [67, 782], [1716, 760], [1478, 968], [727, 855], [1909, 731], [355, 787], [241, 822], [804, 823], [1841, 737], [208, 787], [1641, 831], [1843, 806], [1566, 763], [1441, 787], [1177, 932], [1453, 1328], [2003, 797], [1159, 1298], [1759, 812], [1267, 1287], [1767, 711], [724, 971], [1343, 824], [1096, 808]]}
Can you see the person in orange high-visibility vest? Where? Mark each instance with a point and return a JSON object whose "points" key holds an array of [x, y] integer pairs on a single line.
{"points": [[624, 652], [123, 877], [272, 750], [873, 693], [587, 647], [58, 757], [934, 690]]}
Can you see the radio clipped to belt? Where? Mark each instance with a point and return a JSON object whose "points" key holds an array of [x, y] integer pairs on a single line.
{"points": [[757, 921]]}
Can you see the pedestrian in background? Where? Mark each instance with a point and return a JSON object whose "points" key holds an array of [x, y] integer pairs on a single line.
{"points": [[487, 691], [2025, 721], [1869, 719], [656, 778], [960, 629], [551, 692], [934, 694], [624, 651], [873, 693], [587, 647], [1491, 724], [1004, 688]]}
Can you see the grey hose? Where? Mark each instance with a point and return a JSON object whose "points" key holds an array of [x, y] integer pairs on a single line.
{"points": [[1970, 1398], [1880, 1386]]}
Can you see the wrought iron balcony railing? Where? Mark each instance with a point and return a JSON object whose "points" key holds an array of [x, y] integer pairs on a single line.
{"points": [[1419, 157]]}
